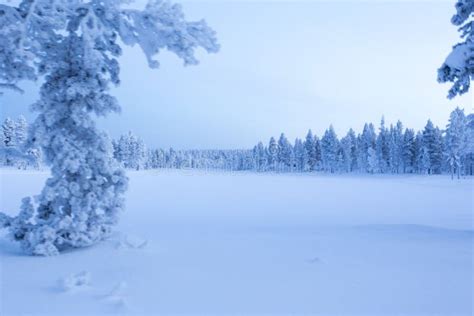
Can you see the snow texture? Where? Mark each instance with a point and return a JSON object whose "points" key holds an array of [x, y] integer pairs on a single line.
{"points": [[248, 244]]}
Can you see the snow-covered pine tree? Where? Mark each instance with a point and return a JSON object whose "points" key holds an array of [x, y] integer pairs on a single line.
{"points": [[353, 152], [382, 147], [137, 153], [458, 67], [329, 150], [418, 152], [396, 147], [9, 133], [21, 130], [171, 159], [9, 152], [74, 46], [409, 151], [372, 161], [367, 140], [317, 153], [469, 150], [301, 156], [456, 141], [425, 161], [310, 147], [346, 148], [285, 152], [432, 141], [272, 154], [262, 157]]}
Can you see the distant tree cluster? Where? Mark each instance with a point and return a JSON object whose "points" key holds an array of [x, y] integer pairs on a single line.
{"points": [[14, 148], [392, 149], [132, 153]]}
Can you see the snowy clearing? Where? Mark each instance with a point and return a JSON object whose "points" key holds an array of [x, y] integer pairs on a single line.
{"points": [[195, 242]]}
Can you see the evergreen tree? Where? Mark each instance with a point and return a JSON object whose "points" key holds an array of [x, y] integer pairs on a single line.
{"points": [[285, 152], [396, 147], [272, 154], [409, 151], [317, 153], [372, 160], [75, 48], [432, 140], [425, 161], [21, 130], [301, 156], [348, 150], [366, 141], [456, 141], [382, 147], [418, 149], [9, 134], [310, 147], [329, 150], [469, 150], [261, 157]]}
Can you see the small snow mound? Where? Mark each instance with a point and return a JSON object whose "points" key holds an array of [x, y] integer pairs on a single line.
{"points": [[119, 289], [132, 242], [117, 296], [75, 281]]}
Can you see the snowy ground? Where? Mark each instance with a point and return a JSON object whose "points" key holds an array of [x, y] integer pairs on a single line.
{"points": [[220, 243]]}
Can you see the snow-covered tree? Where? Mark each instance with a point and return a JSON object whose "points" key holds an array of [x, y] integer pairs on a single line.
{"points": [[458, 67], [9, 149], [74, 46], [329, 150], [382, 147], [9, 133], [301, 156], [285, 152], [469, 150], [418, 152], [172, 158], [310, 147], [396, 148], [456, 141], [272, 154], [372, 160], [366, 140], [21, 130], [349, 155], [432, 141], [425, 161], [409, 151], [317, 153], [260, 157]]}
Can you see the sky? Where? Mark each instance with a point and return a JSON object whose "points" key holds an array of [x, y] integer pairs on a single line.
{"points": [[286, 67]]}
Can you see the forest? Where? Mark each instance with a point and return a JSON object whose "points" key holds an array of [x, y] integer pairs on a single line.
{"points": [[386, 149]]}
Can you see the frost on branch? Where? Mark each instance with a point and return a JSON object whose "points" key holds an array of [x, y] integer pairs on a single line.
{"points": [[458, 67], [74, 45]]}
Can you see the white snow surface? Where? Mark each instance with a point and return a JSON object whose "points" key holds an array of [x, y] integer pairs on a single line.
{"points": [[215, 243]]}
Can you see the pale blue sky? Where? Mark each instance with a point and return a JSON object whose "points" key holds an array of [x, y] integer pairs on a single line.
{"points": [[288, 66]]}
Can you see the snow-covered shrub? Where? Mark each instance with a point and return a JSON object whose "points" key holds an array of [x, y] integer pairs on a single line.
{"points": [[74, 45]]}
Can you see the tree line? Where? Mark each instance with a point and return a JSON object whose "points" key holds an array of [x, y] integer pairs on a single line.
{"points": [[385, 149]]}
